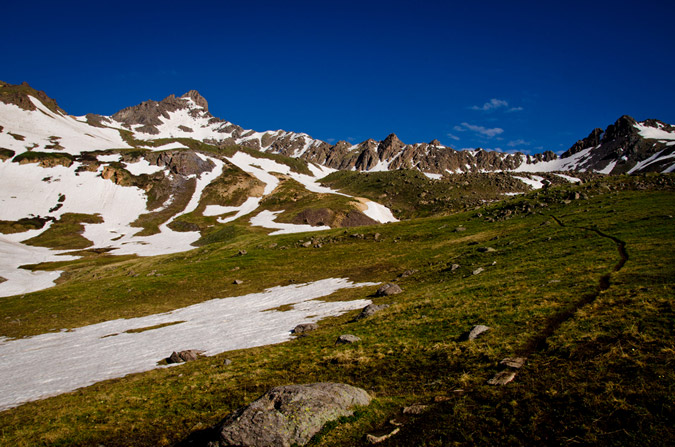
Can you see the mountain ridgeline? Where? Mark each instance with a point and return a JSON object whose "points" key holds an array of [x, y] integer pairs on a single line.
{"points": [[626, 146]]}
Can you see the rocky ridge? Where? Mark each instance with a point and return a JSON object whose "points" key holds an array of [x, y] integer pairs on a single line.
{"points": [[627, 146]]}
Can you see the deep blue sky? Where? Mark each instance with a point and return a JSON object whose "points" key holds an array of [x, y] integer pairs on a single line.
{"points": [[508, 75]]}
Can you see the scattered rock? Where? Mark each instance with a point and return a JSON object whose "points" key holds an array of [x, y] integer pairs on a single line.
{"points": [[307, 244], [227, 362], [374, 439], [486, 249], [513, 362], [347, 339], [439, 399], [478, 270], [388, 289], [502, 377], [289, 415], [242, 253], [237, 282], [305, 327], [369, 310], [377, 236], [407, 273], [152, 273], [477, 331], [454, 267], [416, 409], [458, 229], [184, 356]]}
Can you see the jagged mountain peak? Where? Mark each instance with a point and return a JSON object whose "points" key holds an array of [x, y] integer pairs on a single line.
{"points": [[197, 98]]}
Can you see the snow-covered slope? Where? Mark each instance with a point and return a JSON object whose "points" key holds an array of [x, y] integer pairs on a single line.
{"points": [[130, 190]]}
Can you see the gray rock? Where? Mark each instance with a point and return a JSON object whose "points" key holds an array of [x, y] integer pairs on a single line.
{"points": [[454, 267], [305, 327], [375, 439], [502, 378], [486, 249], [369, 310], [388, 289], [237, 282], [227, 362], [407, 273], [347, 339], [513, 362], [477, 331], [183, 356], [478, 270], [416, 409], [289, 415]]}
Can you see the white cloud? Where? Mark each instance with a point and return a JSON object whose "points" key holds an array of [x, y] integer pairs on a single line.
{"points": [[487, 132], [519, 142], [454, 137], [515, 109], [494, 103]]}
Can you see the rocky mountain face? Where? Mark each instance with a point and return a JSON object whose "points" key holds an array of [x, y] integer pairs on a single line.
{"points": [[622, 147], [627, 146]]}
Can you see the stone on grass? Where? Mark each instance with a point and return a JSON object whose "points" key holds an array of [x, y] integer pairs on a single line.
{"points": [[375, 439], [237, 282], [407, 273], [478, 270], [513, 362], [502, 377], [289, 415], [415, 409], [477, 331], [486, 249], [347, 339], [388, 289], [305, 327], [369, 310], [183, 356]]}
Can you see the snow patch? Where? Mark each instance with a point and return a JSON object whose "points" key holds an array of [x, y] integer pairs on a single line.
{"points": [[379, 212], [50, 364], [266, 219], [569, 178], [433, 176], [535, 182], [654, 133]]}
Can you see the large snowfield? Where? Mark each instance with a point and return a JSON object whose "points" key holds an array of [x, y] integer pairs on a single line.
{"points": [[54, 363]]}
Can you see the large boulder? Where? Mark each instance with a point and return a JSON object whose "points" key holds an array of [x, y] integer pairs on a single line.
{"points": [[289, 415], [370, 310], [388, 289]]}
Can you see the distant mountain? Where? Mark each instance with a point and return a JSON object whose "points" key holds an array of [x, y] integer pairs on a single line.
{"points": [[627, 146]]}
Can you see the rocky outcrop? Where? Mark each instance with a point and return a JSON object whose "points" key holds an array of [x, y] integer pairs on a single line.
{"points": [[19, 96], [181, 162], [289, 415], [149, 114]]}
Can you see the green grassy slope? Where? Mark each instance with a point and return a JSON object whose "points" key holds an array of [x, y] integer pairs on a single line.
{"points": [[600, 353]]}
